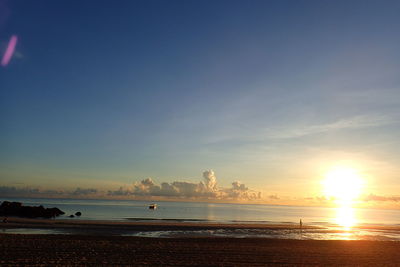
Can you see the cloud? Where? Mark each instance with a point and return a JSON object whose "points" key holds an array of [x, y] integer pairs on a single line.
{"points": [[320, 200], [274, 197], [206, 189], [240, 191], [11, 191], [274, 135], [356, 122], [372, 197], [14, 191], [210, 181], [87, 191]]}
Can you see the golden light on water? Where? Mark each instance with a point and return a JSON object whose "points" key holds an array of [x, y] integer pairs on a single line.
{"points": [[344, 185], [345, 217]]}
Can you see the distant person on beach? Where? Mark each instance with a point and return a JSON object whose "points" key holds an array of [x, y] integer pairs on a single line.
{"points": [[301, 224]]}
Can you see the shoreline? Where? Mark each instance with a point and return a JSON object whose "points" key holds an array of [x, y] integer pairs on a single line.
{"points": [[173, 229], [106, 227]]}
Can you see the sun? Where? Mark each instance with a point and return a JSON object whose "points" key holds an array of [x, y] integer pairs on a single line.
{"points": [[343, 184]]}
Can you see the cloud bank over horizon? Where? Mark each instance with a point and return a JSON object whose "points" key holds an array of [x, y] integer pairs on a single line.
{"points": [[206, 189], [27, 191]]}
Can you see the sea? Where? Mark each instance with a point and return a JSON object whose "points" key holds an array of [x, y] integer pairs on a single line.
{"points": [[330, 223]]}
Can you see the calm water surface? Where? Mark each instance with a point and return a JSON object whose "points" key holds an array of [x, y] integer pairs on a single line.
{"points": [[337, 223]]}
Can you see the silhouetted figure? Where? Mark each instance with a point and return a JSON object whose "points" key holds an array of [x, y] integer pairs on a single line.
{"points": [[301, 224]]}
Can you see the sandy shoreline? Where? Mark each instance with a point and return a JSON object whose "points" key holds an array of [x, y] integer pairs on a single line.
{"points": [[114, 227], [135, 251], [100, 243], [15, 222], [195, 229]]}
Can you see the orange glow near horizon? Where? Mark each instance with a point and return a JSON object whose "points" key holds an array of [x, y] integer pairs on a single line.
{"points": [[344, 185]]}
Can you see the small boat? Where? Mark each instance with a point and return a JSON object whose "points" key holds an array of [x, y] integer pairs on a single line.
{"points": [[153, 206]]}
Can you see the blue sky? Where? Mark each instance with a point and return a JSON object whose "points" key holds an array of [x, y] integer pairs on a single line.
{"points": [[270, 93]]}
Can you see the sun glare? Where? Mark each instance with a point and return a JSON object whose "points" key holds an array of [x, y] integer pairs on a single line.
{"points": [[343, 184], [345, 217]]}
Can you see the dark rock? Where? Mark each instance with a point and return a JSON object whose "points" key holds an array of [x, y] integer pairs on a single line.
{"points": [[78, 213], [56, 211], [71, 216], [17, 209]]}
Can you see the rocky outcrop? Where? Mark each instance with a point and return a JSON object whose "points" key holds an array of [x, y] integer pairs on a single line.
{"points": [[17, 209]]}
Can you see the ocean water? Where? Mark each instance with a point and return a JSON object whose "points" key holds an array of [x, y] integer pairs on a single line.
{"points": [[335, 223]]}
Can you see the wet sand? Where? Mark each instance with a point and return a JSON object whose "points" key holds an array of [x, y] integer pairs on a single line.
{"points": [[98, 243], [123, 227], [51, 250]]}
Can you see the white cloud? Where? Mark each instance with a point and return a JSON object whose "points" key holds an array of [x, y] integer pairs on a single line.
{"points": [[206, 189], [210, 180]]}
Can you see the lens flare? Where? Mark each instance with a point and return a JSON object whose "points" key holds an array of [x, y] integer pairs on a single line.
{"points": [[9, 50]]}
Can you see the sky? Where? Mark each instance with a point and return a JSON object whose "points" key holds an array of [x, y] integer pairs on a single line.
{"points": [[218, 100]]}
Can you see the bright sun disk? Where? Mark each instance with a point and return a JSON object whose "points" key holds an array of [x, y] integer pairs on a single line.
{"points": [[343, 184]]}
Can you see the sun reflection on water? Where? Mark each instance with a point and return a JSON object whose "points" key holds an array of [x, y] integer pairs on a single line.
{"points": [[345, 217], [343, 185]]}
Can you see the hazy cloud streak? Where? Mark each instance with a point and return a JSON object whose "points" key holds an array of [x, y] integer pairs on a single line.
{"points": [[372, 197], [356, 122], [11, 191]]}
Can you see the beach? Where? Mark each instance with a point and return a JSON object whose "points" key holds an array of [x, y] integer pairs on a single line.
{"points": [[177, 228], [136, 251], [123, 227], [104, 243]]}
